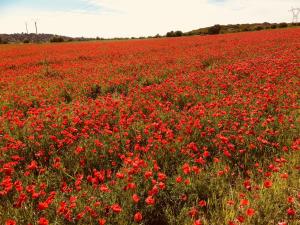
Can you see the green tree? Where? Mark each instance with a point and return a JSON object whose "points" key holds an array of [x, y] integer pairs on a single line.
{"points": [[214, 29]]}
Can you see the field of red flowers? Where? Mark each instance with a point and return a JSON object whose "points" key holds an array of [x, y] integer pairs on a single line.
{"points": [[192, 130]]}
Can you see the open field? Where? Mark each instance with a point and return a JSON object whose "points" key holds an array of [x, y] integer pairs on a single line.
{"points": [[178, 131]]}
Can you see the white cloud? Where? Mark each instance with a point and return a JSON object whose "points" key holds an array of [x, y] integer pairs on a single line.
{"points": [[142, 17]]}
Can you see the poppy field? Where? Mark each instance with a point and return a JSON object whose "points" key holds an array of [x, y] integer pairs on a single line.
{"points": [[171, 131]]}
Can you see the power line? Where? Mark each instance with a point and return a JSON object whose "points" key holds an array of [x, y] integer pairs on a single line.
{"points": [[295, 12]]}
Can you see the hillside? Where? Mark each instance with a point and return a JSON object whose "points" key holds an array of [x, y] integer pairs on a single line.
{"points": [[216, 29], [231, 28]]}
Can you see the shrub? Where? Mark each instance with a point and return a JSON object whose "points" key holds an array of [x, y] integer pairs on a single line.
{"points": [[177, 33], [94, 91], [273, 26], [246, 29], [283, 25], [259, 28], [295, 24], [170, 34], [56, 39], [3, 41], [214, 29]]}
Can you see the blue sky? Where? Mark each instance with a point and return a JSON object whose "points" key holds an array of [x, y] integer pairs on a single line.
{"points": [[49, 5], [111, 18]]}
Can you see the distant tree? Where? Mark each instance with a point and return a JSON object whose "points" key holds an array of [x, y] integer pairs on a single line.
{"points": [[258, 28], [274, 26], [246, 29], [170, 34], [56, 39], [295, 24], [178, 33], [283, 25], [26, 41], [214, 29], [2, 41]]}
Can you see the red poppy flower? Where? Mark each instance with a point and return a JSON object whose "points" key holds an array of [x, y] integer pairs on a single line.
{"points": [[202, 203], [116, 208], [138, 217], [43, 221], [197, 222], [291, 212], [102, 221], [268, 184], [241, 219], [135, 198], [10, 222], [250, 212], [150, 200]]}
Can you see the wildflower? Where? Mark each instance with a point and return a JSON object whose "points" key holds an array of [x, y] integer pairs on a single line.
{"points": [[33, 165], [202, 203], [42, 206], [102, 221], [116, 208], [268, 184], [241, 219], [291, 199], [197, 222], [179, 179], [193, 212], [161, 176], [10, 222], [244, 202], [291, 212], [282, 223], [186, 168], [148, 174], [250, 212], [284, 176], [135, 198], [150, 200], [43, 221], [138, 217]]}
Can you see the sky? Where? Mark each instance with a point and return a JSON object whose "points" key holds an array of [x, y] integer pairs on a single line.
{"points": [[135, 18]]}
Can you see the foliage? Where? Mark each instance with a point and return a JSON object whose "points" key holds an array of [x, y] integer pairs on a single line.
{"points": [[214, 29], [177, 33], [234, 28], [283, 25], [57, 39]]}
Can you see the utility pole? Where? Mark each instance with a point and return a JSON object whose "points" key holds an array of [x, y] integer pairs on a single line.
{"points": [[26, 27], [295, 12], [36, 31]]}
